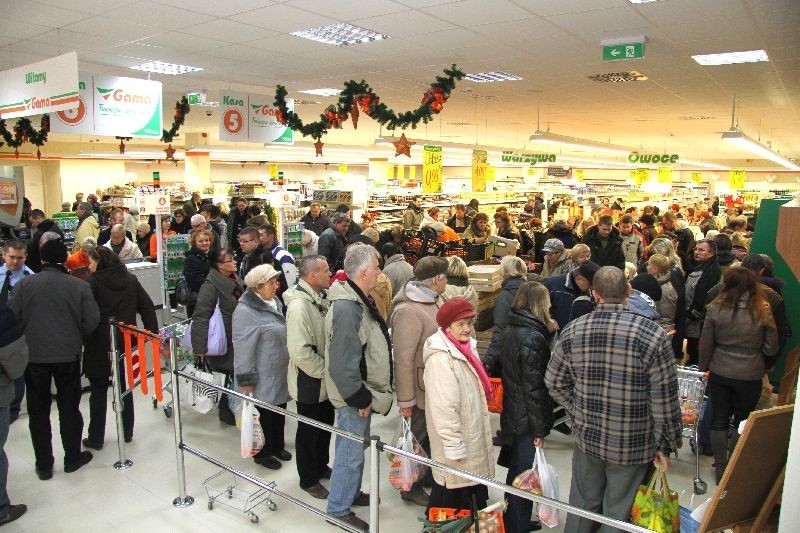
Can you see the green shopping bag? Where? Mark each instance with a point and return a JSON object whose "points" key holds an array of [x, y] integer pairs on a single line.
{"points": [[657, 510]]}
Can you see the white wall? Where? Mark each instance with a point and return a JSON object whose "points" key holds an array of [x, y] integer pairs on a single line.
{"points": [[89, 176]]}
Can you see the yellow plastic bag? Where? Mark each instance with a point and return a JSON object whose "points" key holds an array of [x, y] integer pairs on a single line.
{"points": [[657, 510]]}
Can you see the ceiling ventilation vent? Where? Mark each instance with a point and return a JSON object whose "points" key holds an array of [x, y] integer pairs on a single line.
{"points": [[617, 77]]}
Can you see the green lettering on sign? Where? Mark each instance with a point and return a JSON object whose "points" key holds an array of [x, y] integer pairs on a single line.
{"points": [[619, 52]]}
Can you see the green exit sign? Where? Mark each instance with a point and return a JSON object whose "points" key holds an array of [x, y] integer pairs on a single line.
{"points": [[618, 52], [193, 98]]}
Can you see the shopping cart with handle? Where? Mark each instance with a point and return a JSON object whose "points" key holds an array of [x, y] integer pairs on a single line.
{"points": [[691, 393]]}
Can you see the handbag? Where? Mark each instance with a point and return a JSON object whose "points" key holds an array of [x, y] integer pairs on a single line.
{"points": [[184, 294], [204, 398], [657, 510], [217, 343]]}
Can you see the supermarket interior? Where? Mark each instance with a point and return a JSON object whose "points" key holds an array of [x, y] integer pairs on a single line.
{"points": [[548, 119]]}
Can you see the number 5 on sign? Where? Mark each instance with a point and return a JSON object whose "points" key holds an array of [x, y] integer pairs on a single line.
{"points": [[432, 169]]}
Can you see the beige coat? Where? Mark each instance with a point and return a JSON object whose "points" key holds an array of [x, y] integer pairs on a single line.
{"points": [[456, 413], [87, 228], [382, 294]]}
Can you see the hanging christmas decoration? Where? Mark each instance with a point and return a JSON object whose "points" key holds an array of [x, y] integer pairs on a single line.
{"points": [[170, 151], [358, 97], [122, 144], [181, 110], [403, 146], [318, 147], [24, 132]]}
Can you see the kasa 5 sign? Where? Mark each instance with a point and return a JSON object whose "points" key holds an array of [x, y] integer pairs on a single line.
{"points": [[114, 106], [252, 118]]}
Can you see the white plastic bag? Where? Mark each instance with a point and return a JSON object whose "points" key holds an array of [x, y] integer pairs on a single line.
{"points": [[547, 476], [252, 434], [403, 471]]}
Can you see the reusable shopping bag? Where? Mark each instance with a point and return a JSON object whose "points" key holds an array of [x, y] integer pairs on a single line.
{"points": [[199, 396], [252, 434], [657, 510], [217, 339], [547, 477], [403, 471]]}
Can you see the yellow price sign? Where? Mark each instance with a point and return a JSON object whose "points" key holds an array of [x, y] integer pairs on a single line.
{"points": [[697, 177], [343, 168], [579, 175], [640, 175], [432, 169], [479, 162], [273, 170], [490, 173], [412, 173], [665, 174], [736, 178]]}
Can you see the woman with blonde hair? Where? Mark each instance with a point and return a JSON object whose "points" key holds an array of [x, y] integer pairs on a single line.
{"points": [[663, 246], [579, 254], [197, 264], [458, 282], [527, 415], [586, 223], [738, 343]]}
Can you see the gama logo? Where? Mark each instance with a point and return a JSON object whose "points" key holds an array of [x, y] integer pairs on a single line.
{"points": [[121, 96]]}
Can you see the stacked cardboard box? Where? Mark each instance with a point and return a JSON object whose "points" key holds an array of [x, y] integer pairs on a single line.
{"points": [[485, 278]]}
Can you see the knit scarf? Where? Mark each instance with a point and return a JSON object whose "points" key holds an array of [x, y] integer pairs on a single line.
{"points": [[466, 349]]}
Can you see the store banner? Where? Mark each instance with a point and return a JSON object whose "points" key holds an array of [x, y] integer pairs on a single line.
{"points": [[11, 194], [252, 118], [479, 163], [665, 174], [579, 175], [697, 177], [273, 170], [640, 176], [559, 172], [490, 174], [114, 106], [390, 172], [432, 169], [736, 179], [342, 168], [44, 87]]}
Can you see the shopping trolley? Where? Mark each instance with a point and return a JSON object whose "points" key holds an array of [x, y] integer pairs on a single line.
{"points": [[237, 495], [182, 356], [691, 392]]}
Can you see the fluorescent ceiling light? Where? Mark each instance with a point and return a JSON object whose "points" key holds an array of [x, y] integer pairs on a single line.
{"points": [[159, 67], [692, 163], [643, 1], [737, 138], [322, 92], [545, 137], [491, 77], [731, 58], [340, 34]]}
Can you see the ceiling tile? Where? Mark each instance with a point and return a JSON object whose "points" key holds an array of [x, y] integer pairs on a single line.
{"points": [[349, 10], [112, 27], [155, 15], [220, 9], [284, 18], [228, 31], [182, 42], [468, 13], [404, 24], [557, 7], [56, 16]]}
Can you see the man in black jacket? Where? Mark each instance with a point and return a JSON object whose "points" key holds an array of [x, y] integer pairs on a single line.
{"points": [[605, 243], [253, 254], [57, 311], [332, 242], [40, 225], [699, 282], [315, 220]]}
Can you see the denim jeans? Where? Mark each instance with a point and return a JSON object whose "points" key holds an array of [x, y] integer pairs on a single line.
{"points": [[4, 422], [348, 461]]}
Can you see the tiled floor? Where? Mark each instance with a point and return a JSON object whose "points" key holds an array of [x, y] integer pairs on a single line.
{"points": [[98, 498]]}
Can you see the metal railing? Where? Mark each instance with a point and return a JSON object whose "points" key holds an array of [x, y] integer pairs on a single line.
{"points": [[373, 443]]}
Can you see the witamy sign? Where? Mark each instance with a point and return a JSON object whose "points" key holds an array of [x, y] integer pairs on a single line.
{"points": [[43, 87], [114, 106], [251, 117]]}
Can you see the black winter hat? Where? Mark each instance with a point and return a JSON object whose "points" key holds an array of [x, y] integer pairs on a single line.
{"points": [[54, 251], [647, 284]]}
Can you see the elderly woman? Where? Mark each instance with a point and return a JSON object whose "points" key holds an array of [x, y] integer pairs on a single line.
{"points": [[456, 408], [261, 360], [527, 407], [738, 343], [122, 246], [514, 272], [458, 282], [197, 264], [143, 237], [118, 294], [78, 262], [180, 222], [222, 287], [478, 230]]}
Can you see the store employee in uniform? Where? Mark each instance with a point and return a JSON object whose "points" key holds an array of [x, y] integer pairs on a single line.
{"points": [[15, 253]]}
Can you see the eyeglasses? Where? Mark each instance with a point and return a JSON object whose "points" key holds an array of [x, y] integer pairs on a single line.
{"points": [[246, 241], [228, 261]]}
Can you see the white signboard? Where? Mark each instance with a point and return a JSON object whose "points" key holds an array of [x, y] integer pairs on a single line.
{"points": [[252, 118], [42, 87], [153, 204], [115, 106]]}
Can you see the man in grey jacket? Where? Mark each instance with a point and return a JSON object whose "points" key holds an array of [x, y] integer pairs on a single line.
{"points": [[56, 312], [358, 375], [13, 359], [305, 321], [395, 266]]}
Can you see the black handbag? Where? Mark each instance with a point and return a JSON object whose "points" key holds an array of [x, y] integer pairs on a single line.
{"points": [[184, 294]]}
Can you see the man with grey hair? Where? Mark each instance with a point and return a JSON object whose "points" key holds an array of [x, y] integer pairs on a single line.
{"points": [[117, 216], [305, 321], [413, 320], [333, 241], [614, 373], [358, 374], [125, 249]]}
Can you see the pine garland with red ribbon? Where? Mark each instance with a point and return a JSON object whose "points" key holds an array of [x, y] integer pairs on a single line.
{"points": [[358, 97], [25, 132], [181, 110]]}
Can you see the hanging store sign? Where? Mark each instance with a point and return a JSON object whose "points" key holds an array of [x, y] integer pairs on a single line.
{"points": [[432, 169], [559, 172], [342, 168], [479, 162], [579, 175], [44, 87], [252, 118], [640, 175], [114, 106], [619, 52], [636, 157], [665, 174], [697, 177], [736, 178], [521, 157]]}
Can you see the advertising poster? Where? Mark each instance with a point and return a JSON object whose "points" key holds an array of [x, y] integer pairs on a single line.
{"points": [[432, 169], [44, 87], [252, 118]]}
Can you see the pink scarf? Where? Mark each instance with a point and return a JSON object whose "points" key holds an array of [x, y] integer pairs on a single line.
{"points": [[466, 349]]}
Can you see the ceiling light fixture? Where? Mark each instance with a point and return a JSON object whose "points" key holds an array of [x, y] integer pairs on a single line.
{"points": [[545, 137], [731, 58], [160, 67], [322, 92], [636, 2], [340, 34], [491, 77], [736, 137]]}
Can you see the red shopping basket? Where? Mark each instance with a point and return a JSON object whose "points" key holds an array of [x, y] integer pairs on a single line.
{"points": [[496, 401]]}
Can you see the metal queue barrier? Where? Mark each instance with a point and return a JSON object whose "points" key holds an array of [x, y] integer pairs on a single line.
{"points": [[373, 443]]}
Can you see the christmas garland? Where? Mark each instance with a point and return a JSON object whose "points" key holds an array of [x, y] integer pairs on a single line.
{"points": [[181, 110], [358, 97], [23, 132]]}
